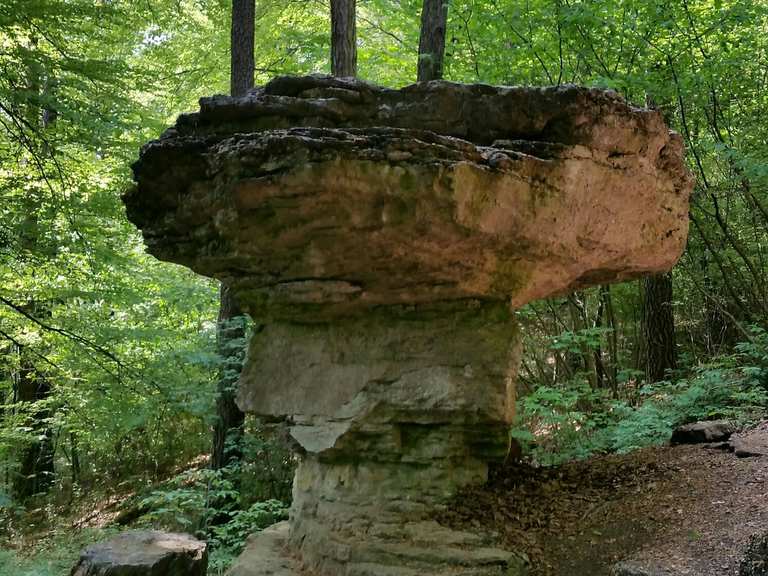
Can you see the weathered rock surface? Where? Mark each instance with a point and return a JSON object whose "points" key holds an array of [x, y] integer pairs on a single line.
{"points": [[315, 191], [420, 403], [145, 553], [266, 554], [384, 237], [703, 432], [752, 442]]}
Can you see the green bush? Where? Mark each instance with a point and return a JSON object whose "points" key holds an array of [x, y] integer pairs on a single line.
{"points": [[572, 421], [209, 504]]}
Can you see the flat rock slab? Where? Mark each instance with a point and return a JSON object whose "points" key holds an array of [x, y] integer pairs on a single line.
{"points": [[145, 553], [320, 193], [703, 432]]}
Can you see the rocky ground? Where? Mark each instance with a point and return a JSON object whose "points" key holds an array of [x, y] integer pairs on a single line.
{"points": [[686, 510]]}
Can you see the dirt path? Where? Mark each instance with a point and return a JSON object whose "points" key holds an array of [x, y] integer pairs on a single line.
{"points": [[687, 510]]}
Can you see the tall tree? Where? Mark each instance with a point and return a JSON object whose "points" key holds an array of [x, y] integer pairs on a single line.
{"points": [[434, 20], [343, 38], [31, 388], [658, 326], [228, 427]]}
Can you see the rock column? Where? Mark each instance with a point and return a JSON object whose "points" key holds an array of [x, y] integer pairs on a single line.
{"points": [[383, 237], [394, 411]]}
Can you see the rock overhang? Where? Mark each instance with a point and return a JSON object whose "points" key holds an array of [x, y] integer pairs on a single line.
{"points": [[383, 238], [317, 197]]}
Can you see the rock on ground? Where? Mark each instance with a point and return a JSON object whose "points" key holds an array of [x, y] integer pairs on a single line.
{"points": [[702, 432], [144, 553], [751, 443]]}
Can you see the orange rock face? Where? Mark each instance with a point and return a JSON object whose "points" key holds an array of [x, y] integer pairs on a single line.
{"points": [[436, 192]]}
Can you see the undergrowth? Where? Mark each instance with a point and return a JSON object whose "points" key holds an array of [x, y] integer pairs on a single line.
{"points": [[556, 423], [573, 421], [222, 507], [54, 555]]}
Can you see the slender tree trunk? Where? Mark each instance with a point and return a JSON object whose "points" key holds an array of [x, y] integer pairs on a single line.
{"points": [[36, 471], [343, 38], [434, 21], [36, 458], [75, 458], [228, 428], [613, 337], [579, 323], [242, 38], [659, 326]]}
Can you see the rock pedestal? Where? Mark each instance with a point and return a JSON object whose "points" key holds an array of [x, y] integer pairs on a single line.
{"points": [[383, 238], [422, 400], [145, 553]]}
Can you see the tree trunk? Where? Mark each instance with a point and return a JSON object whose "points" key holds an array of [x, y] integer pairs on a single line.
{"points": [[36, 457], [579, 323], [36, 472], [658, 327], [613, 338], [343, 38], [434, 20], [228, 427], [241, 68]]}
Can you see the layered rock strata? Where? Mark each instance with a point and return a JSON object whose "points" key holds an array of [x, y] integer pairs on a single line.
{"points": [[384, 238]]}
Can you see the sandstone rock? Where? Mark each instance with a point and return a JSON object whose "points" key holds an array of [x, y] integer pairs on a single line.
{"points": [[755, 561], [384, 238], [144, 553], [439, 191], [398, 554], [703, 432], [265, 554]]}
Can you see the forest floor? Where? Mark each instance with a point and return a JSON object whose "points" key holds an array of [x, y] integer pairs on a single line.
{"points": [[686, 510]]}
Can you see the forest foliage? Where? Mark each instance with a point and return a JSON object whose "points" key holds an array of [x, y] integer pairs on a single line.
{"points": [[118, 349]]}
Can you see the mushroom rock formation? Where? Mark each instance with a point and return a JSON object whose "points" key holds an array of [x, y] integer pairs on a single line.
{"points": [[384, 238]]}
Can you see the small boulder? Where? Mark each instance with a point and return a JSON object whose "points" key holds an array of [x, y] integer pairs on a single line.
{"points": [[703, 432], [744, 448], [755, 561], [144, 553], [752, 443]]}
